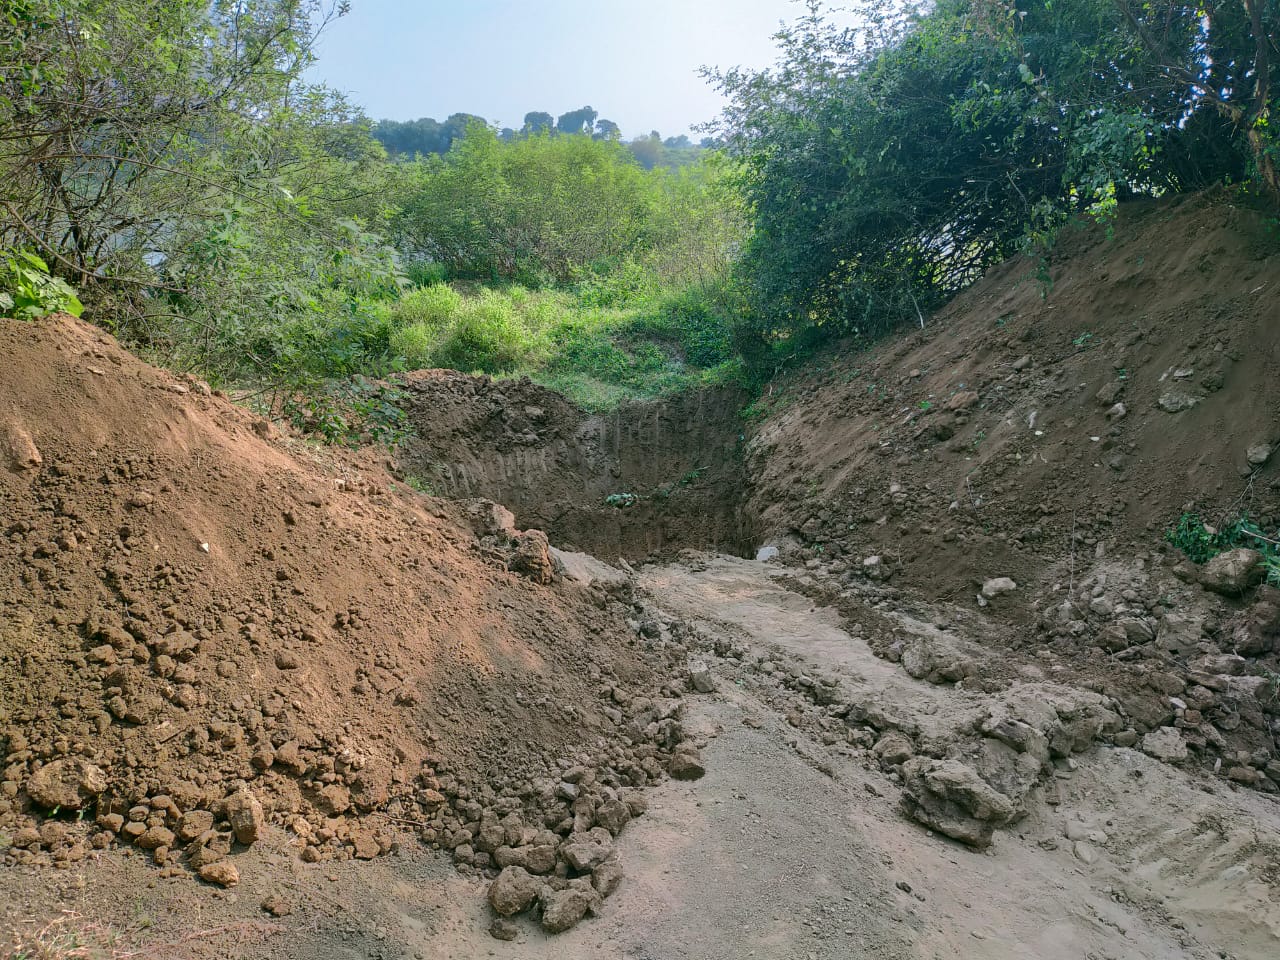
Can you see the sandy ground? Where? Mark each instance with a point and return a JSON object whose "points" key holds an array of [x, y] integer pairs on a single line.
{"points": [[768, 856]]}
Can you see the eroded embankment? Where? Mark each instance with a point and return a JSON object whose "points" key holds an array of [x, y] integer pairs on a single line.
{"points": [[647, 478]]}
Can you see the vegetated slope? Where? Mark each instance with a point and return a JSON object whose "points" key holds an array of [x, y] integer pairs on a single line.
{"points": [[1032, 421], [190, 606], [648, 477]]}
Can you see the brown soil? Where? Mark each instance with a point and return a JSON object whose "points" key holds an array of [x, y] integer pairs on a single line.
{"points": [[649, 478], [190, 607], [982, 444]]}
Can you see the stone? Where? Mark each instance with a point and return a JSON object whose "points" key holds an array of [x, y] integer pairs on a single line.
{"points": [[155, 837], [276, 905], [1232, 571], [513, 891], [767, 553], [334, 799], [221, 872], [1176, 401], [1117, 412], [1084, 851], [613, 815], [562, 909], [1258, 454], [686, 764], [700, 676], [950, 797], [997, 587], [584, 851], [540, 858], [1109, 393], [1180, 633], [606, 877], [1165, 744], [193, 824], [532, 557], [1022, 362], [244, 812], [503, 929], [20, 450], [962, 400], [893, 748], [67, 784]]}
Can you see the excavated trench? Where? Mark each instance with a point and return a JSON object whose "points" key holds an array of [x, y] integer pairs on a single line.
{"points": [[645, 480]]}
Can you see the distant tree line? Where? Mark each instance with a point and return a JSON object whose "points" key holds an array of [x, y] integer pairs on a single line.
{"points": [[405, 139]]}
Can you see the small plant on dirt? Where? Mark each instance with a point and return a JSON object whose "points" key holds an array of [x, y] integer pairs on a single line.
{"points": [[977, 440], [28, 291], [1084, 340], [350, 412], [621, 501], [1201, 543], [417, 483], [926, 405]]}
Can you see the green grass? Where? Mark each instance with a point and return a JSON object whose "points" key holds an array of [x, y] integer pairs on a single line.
{"points": [[601, 344]]}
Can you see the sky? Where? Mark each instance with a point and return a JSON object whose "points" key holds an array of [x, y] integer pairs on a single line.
{"points": [[635, 61]]}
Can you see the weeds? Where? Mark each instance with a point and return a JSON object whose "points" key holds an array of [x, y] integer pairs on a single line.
{"points": [[1201, 543]]}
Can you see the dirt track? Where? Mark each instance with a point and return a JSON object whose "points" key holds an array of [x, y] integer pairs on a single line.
{"points": [[790, 847]]}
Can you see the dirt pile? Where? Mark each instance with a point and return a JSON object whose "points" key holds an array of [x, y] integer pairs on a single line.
{"points": [[1023, 455], [213, 633], [647, 478]]}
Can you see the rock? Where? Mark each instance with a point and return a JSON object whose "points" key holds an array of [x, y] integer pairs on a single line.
{"points": [[893, 749], [686, 764], [67, 784], [1109, 393], [276, 905], [334, 799], [1176, 401], [1232, 571], [950, 797], [155, 837], [1165, 744], [962, 400], [532, 557], [998, 587], [540, 858], [606, 877], [1022, 362], [287, 660], [584, 851], [1258, 454], [700, 676], [613, 815], [562, 909], [767, 553], [875, 568], [1180, 633], [244, 812], [221, 872], [1084, 851], [503, 929], [1118, 412], [19, 449], [513, 891]]}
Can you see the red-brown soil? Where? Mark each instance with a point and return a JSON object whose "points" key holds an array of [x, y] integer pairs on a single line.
{"points": [[192, 602]]}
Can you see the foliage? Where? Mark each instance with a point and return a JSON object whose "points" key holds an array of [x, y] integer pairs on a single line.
{"points": [[1201, 543], [886, 166], [350, 411], [27, 291]]}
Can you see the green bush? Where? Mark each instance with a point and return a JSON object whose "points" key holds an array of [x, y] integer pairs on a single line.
{"points": [[1201, 543], [27, 291]]}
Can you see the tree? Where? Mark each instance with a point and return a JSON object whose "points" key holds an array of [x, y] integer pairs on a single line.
{"points": [[538, 122], [607, 130], [581, 120]]}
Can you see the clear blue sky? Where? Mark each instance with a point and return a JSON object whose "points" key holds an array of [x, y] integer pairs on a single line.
{"points": [[635, 61]]}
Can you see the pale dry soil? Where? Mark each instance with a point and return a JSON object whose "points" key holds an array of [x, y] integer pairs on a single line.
{"points": [[769, 857]]}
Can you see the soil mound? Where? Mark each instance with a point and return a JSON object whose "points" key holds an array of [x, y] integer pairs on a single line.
{"points": [[1035, 417], [206, 621], [648, 478]]}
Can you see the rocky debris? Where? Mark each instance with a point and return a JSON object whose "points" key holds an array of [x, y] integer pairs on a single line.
{"points": [[1258, 454], [67, 784], [1165, 744], [220, 872], [562, 909], [893, 749], [532, 557], [949, 797], [1176, 401], [513, 891], [1232, 571], [244, 812], [700, 676], [276, 905], [503, 929], [995, 588], [606, 877], [686, 763], [585, 851], [19, 449], [935, 660]]}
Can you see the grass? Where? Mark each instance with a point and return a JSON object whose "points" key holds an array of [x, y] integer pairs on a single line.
{"points": [[601, 344]]}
